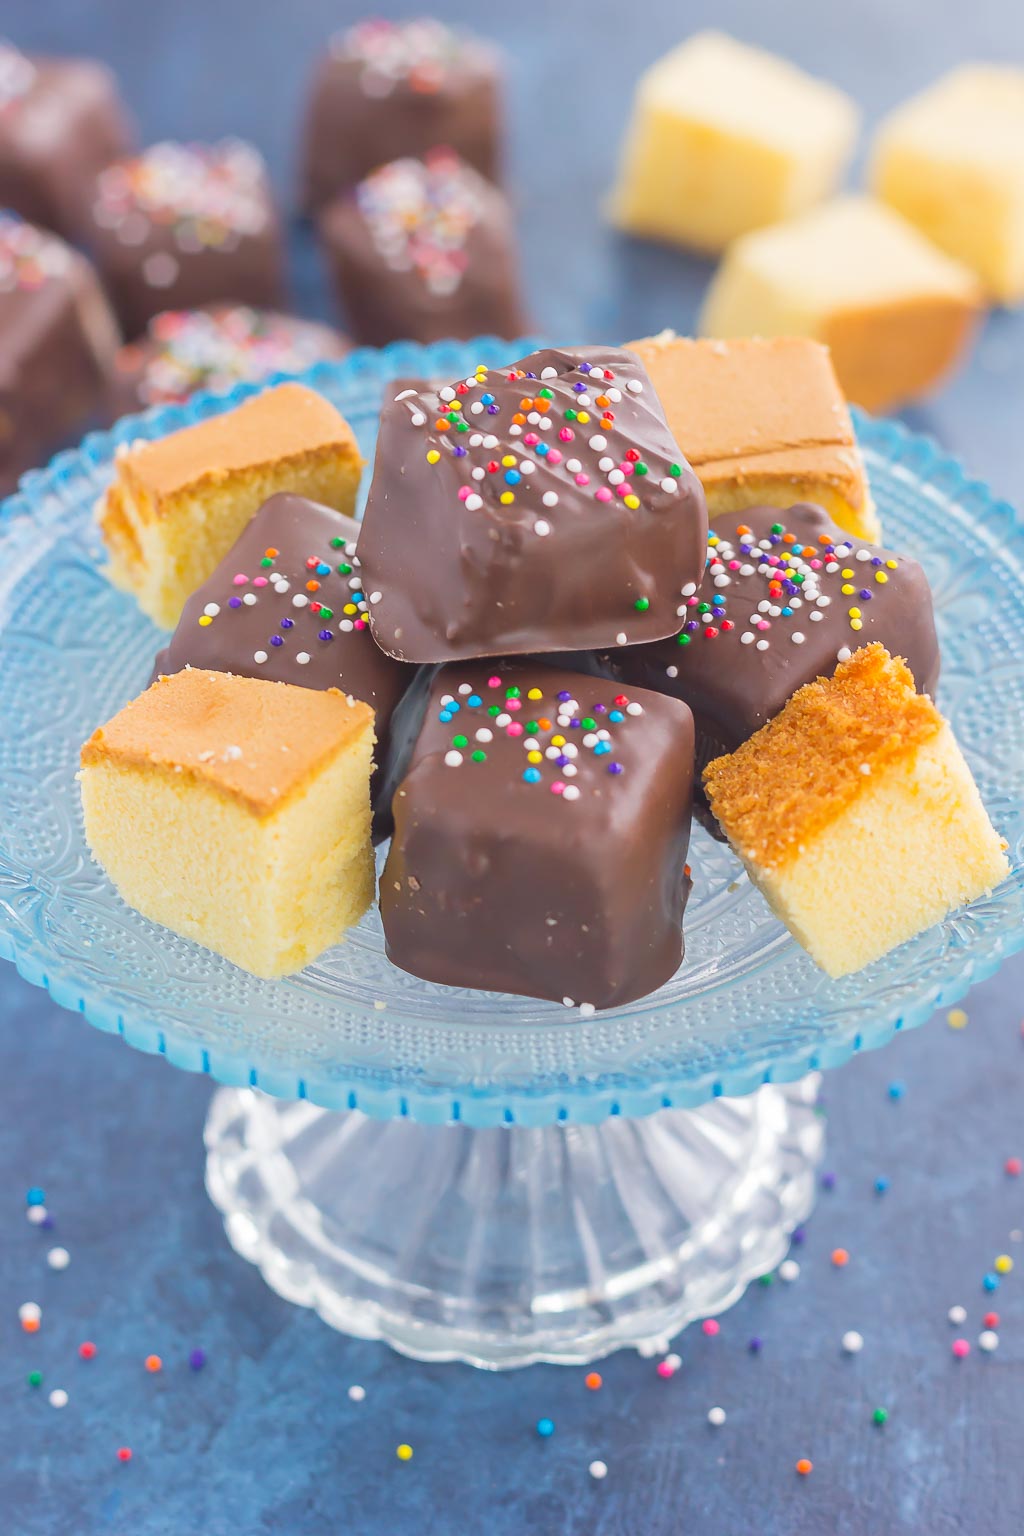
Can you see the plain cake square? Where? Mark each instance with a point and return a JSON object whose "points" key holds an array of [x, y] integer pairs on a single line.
{"points": [[952, 161], [182, 225], [424, 249], [58, 340], [763, 422], [856, 815], [725, 138], [177, 504], [237, 813], [895, 311], [61, 122], [539, 507], [540, 836], [385, 89]]}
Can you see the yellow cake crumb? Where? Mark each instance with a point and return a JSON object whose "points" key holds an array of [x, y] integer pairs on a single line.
{"points": [[952, 161], [725, 138], [763, 422], [856, 815], [177, 504], [894, 310], [236, 811]]}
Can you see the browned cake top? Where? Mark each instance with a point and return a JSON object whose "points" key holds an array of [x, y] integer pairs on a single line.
{"points": [[281, 423], [254, 740], [804, 768], [736, 399]]}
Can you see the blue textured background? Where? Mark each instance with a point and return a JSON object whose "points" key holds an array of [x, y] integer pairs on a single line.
{"points": [[265, 1440]]}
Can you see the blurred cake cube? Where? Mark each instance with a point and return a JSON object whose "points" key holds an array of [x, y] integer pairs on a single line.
{"points": [[763, 422], [237, 813], [856, 815], [952, 161], [424, 249], [183, 351], [177, 504], [388, 89], [58, 340], [895, 311], [61, 122], [725, 138], [182, 225]]}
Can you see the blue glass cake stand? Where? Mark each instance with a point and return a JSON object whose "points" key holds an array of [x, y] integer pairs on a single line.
{"points": [[474, 1176]]}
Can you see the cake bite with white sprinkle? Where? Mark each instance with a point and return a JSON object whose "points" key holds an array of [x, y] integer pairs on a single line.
{"points": [[785, 597], [544, 506], [540, 839]]}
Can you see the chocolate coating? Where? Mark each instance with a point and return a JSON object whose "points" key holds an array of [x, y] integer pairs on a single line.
{"points": [[494, 881], [184, 225], [61, 122], [387, 89], [734, 685], [215, 348], [57, 345], [264, 625], [499, 523], [423, 250]]}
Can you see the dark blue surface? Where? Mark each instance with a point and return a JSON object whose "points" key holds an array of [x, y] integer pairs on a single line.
{"points": [[265, 1439]]}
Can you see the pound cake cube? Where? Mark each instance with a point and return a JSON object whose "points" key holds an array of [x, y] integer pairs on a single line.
{"points": [[952, 161], [763, 422], [176, 505], [540, 836], [237, 813], [725, 138], [895, 311], [384, 89], [424, 249], [540, 507], [61, 122], [58, 340], [856, 815]]}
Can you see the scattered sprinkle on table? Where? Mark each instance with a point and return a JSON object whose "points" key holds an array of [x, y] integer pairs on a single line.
{"points": [[789, 1270], [805, 1467], [828, 1181], [961, 1349], [35, 1196], [35, 1378], [991, 1320], [58, 1398], [716, 1417], [754, 1345], [545, 1428], [840, 1258], [853, 1342], [124, 1453], [957, 1315], [1003, 1264], [593, 1382], [357, 1393], [39, 1216], [956, 1018], [404, 1452], [58, 1258], [880, 1416], [988, 1340], [197, 1359], [897, 1090], [1013, 1167], [30, 1312], [153, 1363], [87, 1350], [598, 1470], [711, 1327], [991, 1282], [881, 1184]]}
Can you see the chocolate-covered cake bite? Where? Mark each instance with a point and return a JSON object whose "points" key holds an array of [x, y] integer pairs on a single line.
{"points": [[183, 225], [540, 836], [287, 603], [534, 508], [215, 348], [61, 122], [785, 598], [386, 89], [424, 249], [57, 344]]}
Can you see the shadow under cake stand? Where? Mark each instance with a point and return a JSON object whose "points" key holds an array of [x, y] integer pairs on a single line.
{"points": [[470, 1176]]}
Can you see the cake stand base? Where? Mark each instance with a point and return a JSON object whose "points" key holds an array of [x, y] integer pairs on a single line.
{"points": [[501, 1247]]}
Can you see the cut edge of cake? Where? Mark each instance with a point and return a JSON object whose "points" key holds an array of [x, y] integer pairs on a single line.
{"points": [[856, 815]]}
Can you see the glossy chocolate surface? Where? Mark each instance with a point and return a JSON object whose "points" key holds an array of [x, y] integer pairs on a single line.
{"points": [[540, 507], [540, 841]]}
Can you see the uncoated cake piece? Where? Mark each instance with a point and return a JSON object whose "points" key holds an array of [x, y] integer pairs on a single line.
{"points": [[856, 815], [763, 422], [177, 504], [236, 811]]}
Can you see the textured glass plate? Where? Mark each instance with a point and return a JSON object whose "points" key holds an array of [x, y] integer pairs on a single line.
{"points": [[351, 1031]]}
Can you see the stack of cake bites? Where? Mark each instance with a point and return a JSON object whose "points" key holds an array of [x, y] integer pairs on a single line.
{"points": [[549, 639]]}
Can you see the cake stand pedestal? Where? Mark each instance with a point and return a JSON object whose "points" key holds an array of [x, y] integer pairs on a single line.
{"points": [[509, 1245]]}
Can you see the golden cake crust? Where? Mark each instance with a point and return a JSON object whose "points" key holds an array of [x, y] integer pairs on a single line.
{"points": [[287, 422], [756, 407], [255, 741], [793, 777]]}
